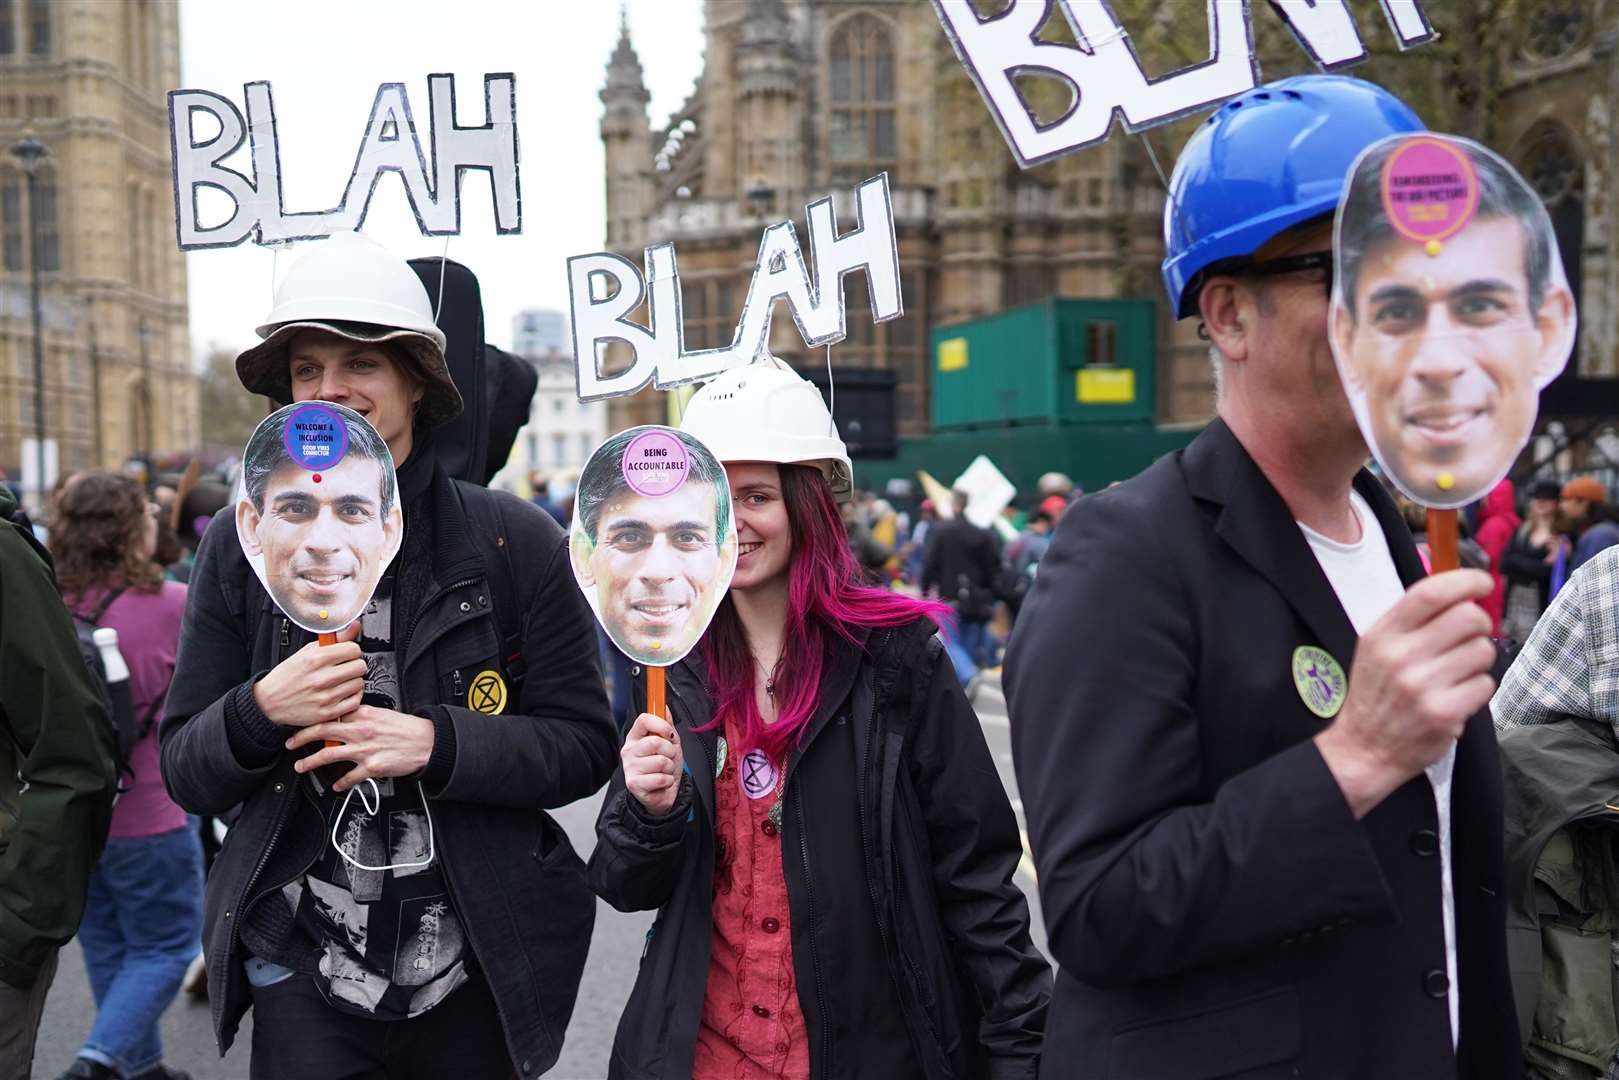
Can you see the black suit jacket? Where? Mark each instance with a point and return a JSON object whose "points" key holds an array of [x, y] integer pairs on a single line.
{"points": [[1214, 906]]}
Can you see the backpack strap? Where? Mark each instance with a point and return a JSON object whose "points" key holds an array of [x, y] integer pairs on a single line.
{"points": [[910, 666], [483, 506], [94, 618]]}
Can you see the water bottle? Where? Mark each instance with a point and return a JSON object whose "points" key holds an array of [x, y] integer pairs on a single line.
{"points": [[106, 639], [119, 694]]}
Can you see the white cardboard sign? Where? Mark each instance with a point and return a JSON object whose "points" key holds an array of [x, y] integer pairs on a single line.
{"points": [[988, 491], [603, 288], [1106, 77], [390, 142]]}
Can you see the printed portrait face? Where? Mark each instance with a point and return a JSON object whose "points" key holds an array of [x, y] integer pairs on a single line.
{"points": [[1444, 341], [653, 564], [319, 535]]}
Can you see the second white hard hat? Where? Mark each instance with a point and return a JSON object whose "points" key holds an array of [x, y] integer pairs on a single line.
{"points": [[765, 411], [353, 287]]}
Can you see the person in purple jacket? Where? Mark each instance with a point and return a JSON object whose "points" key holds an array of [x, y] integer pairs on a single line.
{"points": [[143, 919]]}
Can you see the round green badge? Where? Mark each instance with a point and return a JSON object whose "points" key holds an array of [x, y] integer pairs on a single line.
{"points": [[719, 755], [1320, 680]]}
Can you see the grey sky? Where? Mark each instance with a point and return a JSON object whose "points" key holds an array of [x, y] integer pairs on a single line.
{"points": [[325, 60]]}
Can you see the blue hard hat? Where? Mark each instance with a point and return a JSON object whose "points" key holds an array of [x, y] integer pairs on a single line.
{"points": [[1264, 162]]}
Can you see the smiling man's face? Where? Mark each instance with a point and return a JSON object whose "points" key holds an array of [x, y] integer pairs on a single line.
{"points": [[1448, 356], [324, 545], [657, 569]]}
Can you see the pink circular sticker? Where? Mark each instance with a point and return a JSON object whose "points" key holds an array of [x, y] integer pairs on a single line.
{"points": [[1430, 189], [655, 463]]}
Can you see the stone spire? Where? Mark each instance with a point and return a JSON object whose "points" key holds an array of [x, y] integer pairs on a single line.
{"points": [[767, 26], [767, 59], [626, 141], [624, 79]]}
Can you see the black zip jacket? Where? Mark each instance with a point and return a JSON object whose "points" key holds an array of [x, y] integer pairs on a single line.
{"points": [[1524, 563], [911, 949], [483, 583]]}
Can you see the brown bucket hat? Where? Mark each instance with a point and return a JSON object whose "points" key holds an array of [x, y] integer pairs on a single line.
{"points": [[264, 368]]}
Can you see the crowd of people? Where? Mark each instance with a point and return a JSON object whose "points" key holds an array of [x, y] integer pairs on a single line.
{"points": [[1280, 825]]}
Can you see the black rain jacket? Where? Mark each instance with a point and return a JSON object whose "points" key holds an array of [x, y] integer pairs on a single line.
{"points": [[911, 948], [486, 587]]}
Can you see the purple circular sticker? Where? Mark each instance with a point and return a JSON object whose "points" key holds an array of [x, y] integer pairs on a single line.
{"points": [[757, 775], [1430, 189], [655, 463], [316, 437]]}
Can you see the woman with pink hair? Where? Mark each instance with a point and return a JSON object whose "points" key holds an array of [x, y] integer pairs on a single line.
{"points": [[818, 820]]}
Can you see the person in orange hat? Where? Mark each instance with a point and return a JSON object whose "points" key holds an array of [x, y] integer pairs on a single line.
{"points": [[1585, 504]]}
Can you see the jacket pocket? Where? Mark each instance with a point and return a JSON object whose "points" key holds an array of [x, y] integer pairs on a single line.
{"points": [[550, 841], [1235, 1039], [1574, 1016]]}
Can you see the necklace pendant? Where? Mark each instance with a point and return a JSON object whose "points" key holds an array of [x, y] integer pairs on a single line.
{"points": [[774, 815]]}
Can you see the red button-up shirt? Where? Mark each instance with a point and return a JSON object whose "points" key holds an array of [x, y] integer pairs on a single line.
{"points": [[752, 1027]]}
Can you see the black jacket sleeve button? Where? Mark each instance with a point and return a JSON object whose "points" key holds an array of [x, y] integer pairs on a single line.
{"points": [[1436, 983]]}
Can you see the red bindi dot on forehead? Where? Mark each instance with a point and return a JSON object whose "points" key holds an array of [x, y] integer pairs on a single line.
{"points": [[317, 478]]}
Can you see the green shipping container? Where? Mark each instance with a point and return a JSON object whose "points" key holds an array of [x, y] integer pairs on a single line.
{"points": [[1058, 361]]}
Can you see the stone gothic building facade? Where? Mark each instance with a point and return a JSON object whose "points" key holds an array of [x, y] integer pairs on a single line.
{"points": [[804, 98], [799, 100], [88, 81]]}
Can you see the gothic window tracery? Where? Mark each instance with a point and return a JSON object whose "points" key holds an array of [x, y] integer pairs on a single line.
{"points": [[860, 83], [1554, 29]]}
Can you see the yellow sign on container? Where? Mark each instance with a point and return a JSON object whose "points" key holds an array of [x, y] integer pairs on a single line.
{"points": [[1105, 386], [953, 354]]}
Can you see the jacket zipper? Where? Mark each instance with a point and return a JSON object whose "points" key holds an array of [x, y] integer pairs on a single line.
{"points": [[815, 952], [500, 1009], [916, 972], [892, 944], [449, 882]]}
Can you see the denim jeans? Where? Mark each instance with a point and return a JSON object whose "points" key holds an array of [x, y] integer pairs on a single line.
{"points": [[969, 648], [142, 927]]}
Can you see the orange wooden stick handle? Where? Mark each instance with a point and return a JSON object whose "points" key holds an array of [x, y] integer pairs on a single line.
{"points": [[1442, 540], [654, 692], [330, 639]]}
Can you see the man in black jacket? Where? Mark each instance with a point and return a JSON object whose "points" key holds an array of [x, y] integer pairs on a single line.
{"points": [[1263, 795], [442, 932], [959, 567]]}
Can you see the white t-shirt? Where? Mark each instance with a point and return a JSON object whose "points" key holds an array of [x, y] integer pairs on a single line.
{"points": [[1367, 583]]}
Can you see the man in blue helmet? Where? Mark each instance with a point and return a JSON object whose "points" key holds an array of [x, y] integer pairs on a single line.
{"points": [[1262, 792]]}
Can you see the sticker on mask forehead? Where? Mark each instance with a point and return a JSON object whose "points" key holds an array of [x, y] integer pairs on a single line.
{"points": [[315, 437], [317, 512], [655, 463], [653, 541], [1450, 312], [1430, 189]]}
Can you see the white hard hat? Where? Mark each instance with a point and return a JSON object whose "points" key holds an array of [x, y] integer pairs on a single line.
{"points": [[352, 286], [765, 411]]}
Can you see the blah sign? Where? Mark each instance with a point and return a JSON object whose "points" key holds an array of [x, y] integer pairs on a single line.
{"points": [[604, 288], [390, 143], [1105, 76]]}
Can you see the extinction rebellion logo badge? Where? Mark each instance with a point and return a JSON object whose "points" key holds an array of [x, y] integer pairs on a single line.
{"points": [[1320, 680]]}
